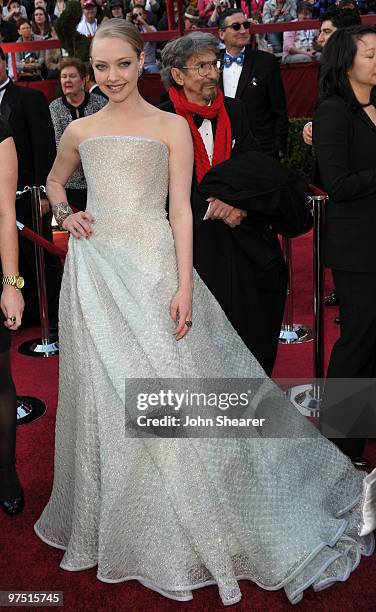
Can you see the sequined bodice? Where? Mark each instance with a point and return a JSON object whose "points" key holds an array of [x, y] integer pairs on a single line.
{"points": [[125, 175]]}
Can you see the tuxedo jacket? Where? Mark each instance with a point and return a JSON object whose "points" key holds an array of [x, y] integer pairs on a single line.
{"points": [[345, 147], [243, 140], [254, 241], [261, 89], [27, 111]]}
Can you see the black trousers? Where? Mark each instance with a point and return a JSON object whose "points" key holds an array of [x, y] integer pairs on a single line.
{"points": [[353, 357], [254, 302]]}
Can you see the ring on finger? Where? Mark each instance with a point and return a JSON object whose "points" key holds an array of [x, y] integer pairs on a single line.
{"points": [[13, 319]]}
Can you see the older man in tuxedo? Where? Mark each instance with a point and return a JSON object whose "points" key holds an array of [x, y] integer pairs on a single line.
{"points": [[27, 111], [254, 77], [236, 254]]}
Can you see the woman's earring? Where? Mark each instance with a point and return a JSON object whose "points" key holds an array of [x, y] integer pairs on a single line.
{"points": [[139, 72]]}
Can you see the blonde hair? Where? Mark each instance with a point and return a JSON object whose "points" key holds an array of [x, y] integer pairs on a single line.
{"points": [[120, 28]]}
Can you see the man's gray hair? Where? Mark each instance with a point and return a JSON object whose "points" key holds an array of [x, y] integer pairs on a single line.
{"points": [[177, 52]]}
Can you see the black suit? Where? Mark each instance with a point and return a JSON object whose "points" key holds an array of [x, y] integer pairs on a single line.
{"points": [[260, 87], [27, 111], [345, 145], [251, 290]]}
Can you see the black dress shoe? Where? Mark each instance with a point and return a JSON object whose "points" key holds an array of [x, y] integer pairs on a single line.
{"points": [[14, 506], [360, 462], [332, 299]]}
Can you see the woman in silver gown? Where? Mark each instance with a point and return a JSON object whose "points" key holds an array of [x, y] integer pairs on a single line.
{"points": [[285, 511]]}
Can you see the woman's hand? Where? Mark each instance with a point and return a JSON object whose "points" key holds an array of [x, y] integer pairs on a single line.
{"points": [[12, 304], [181, 312], [79, 225]]}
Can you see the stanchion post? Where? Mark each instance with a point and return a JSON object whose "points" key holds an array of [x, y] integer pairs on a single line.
{"points": [[308, 397], [37, 218], [41, 347], [291, 333], [318, 209]]}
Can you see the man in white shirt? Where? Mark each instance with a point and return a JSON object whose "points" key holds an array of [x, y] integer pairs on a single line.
{"points": [[254, 77], [88, 24]]}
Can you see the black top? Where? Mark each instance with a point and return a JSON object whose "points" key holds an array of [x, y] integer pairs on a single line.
{"points": [[27, 111], [77, 112], [5, 129], [345, 146]]}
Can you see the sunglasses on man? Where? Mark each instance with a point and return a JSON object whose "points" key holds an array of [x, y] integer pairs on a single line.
{"points": [[236, 26]]}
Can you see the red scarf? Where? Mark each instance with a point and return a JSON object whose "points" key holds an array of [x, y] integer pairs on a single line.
{"points": [[223, 140]]}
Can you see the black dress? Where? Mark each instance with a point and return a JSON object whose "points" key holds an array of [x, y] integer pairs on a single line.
{"points": [[5, 132]]}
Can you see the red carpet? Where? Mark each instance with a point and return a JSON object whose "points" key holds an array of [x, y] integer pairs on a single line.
{"points": [[28, 564]]}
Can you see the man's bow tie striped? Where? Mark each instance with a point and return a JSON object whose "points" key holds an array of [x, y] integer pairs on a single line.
{"points": [[230, 59]]}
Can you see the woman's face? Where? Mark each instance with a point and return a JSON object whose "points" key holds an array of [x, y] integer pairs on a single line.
{"points": [[117, 11], [116, 66], [71, 81], [363, 70], [39, 17]]}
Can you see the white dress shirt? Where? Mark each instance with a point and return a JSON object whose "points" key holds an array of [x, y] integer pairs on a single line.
{"points": [[231, 78], [86, 28], [2, 90], [206, 132]]}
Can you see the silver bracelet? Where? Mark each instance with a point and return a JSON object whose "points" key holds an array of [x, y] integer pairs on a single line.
{"points": [[61, 211]]}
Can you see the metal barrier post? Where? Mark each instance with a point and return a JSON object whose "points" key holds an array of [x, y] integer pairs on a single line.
{"points": [[291, 333], [44, 346], [310, 397], [29, 409]]}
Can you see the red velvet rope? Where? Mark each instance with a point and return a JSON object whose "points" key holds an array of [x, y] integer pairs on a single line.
{"points": [[45, 244], [316, 191]]}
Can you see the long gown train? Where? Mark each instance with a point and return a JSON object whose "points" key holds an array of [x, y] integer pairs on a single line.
{"points": [[176, 514]]}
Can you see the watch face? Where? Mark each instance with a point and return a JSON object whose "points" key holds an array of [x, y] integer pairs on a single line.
{"points": [[20, 282]]}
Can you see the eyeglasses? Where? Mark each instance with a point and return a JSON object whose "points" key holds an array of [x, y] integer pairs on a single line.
{"points": [[236, 26], [204, 68]]}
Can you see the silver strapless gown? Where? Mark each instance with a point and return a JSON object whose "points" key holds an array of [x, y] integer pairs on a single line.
{"points": [[175, 514]]}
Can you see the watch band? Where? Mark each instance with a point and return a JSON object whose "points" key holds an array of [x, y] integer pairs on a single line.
{"points": [[14, 281]]}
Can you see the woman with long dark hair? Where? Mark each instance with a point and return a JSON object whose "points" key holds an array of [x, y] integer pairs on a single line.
{"points": [[344, 130], [40, 23], [11, 494]]}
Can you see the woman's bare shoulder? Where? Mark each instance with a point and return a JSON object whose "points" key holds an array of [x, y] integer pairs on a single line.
{"points": [[82, 128], [175, 127]]}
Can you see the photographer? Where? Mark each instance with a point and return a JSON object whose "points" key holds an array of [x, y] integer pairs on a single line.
{"points": [[276, 11], [205, 9], [139, 19], [219, 7]]}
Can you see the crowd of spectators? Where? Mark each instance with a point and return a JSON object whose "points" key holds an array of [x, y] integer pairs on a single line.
{"points": [[25, 20]]}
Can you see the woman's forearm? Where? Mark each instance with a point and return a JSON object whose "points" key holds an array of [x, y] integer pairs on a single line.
{"points": [[182, 229], [55, 191], [8, 228], [9, 244]]}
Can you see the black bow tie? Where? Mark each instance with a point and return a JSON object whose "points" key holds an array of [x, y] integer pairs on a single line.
{"points": [[198, 120]]}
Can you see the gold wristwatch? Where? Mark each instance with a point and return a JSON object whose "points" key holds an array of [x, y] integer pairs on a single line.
{"points": [[14, 281]]}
